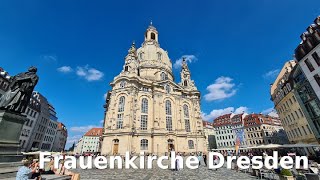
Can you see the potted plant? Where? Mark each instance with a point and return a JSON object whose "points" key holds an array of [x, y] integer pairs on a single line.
{"points": [[286, 174]]}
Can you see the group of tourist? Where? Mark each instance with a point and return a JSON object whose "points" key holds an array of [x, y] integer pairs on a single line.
{"points": [[28, 170], [33, 171]]}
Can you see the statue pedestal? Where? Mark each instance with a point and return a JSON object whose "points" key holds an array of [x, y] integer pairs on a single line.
{"points": [[10, 129]]}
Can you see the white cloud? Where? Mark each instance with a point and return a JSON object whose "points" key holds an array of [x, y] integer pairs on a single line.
{"points": [[266, 111], [241, 109], [189, 59], [78, 131], [218, 112], [65, 69], [271, 74], [90, 74], [270, 112], [274, 114], [49, 58], [82, 129], [72, 139], [221, 89]]}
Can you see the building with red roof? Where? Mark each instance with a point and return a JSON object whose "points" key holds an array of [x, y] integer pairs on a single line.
{"points": [[263, 129], [249, 129], [90, 142]]}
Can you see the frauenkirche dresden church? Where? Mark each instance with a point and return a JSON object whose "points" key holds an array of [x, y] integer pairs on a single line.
{"points": [[146, 110]]}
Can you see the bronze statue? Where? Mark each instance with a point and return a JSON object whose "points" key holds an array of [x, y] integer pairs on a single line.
{"points": [[21, 86]]}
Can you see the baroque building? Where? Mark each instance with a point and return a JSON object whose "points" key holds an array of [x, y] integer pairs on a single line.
{"points": [[90, 142], [264, 129], [146, 110], [228, 128]]}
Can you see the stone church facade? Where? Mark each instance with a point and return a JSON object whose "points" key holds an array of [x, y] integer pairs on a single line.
{"points": [[146, 110]]}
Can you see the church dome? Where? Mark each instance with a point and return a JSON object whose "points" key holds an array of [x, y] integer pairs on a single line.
{"points": [[153, 60]]}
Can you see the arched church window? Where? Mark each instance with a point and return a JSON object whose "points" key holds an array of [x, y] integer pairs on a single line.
{"points": [[168, 89], [168, 108], [144, 105], [159, 56], [164, 76], [121, 104], [186, 117], [144, 144], [122, 84], [120, 112], [186, 111], [126, 68], [168, 115], [153, 36], [144, 114]]}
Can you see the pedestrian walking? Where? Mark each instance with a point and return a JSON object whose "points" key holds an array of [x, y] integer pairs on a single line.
{"points": [[215, 160], [205, 158], [199, 158]]}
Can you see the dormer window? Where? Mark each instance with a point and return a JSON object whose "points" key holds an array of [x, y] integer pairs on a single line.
{"points": [[141, 55], [122, 84], [159, 56]]}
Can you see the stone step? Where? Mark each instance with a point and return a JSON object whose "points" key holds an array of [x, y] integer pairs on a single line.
{"points": [[46, 177], [10, 164]]}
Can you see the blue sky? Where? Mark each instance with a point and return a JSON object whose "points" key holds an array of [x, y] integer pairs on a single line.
{"points": [[235, 48]]}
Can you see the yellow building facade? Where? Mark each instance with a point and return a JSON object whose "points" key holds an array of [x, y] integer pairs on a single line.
{"points": [[146, 110], [290, 112]]}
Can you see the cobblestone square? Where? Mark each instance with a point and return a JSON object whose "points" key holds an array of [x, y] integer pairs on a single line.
{"points": [[156, 173]]}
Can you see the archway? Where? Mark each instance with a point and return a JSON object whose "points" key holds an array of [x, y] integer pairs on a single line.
{"points": [[115, 146], [170, 145]]}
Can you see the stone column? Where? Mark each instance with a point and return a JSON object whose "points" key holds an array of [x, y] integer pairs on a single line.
{"points": [[10, 129]]}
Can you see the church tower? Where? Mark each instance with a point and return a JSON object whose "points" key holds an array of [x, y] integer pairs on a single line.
{"points": [[146, 110], [185, 75], [131, 61]]}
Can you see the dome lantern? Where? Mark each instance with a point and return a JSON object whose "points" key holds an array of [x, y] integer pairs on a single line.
{"points": [[151, 34]]}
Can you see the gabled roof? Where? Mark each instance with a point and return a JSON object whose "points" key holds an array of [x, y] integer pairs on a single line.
{"points": [[94, 132]]}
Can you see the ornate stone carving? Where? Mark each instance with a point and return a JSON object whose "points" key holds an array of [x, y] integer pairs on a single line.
{"points": [[21, 86]]}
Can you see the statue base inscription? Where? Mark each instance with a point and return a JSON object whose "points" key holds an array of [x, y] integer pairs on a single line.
{"points": [[10, 129]]}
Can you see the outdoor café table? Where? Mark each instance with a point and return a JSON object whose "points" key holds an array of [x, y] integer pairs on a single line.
{"points": [[270, 174], [302, 170]]}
